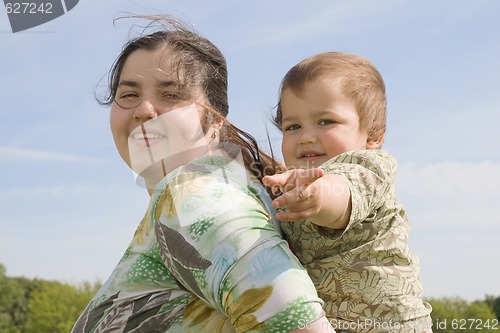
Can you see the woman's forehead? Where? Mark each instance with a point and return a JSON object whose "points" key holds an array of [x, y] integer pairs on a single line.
{"points": [[162, 65], [155, 62]]}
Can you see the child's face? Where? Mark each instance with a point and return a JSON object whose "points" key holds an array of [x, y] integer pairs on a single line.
{"points": [[319, 124]]}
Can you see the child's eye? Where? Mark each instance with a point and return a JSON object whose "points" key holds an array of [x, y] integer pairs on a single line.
{"points": [[325, 122], [292, 127]]}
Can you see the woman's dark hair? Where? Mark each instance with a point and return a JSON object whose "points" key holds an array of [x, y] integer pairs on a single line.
{"points": [[199, 64]]}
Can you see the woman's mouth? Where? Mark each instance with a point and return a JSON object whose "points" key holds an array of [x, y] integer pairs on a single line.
{"points": [[145, 138], [148, 136]]}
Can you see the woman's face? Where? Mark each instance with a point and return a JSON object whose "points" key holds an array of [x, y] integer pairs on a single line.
{"points": [[155, 121]]}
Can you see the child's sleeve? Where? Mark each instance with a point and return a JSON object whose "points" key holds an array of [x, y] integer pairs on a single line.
{"points": [[218, 240], [370, 177]]}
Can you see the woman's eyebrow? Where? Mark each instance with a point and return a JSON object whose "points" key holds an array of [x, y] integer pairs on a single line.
{"points": [[168, 84], [162, 84], [128, 83]]}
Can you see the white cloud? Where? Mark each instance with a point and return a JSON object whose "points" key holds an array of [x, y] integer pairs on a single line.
{"points": [[70, 233], [56, 190], [455, 225], [456, 195], [317, 19], [42, 155], [452, 185]]}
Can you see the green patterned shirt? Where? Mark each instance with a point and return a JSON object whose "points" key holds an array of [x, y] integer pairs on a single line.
{"points": [[365, 273], [205, 258]]}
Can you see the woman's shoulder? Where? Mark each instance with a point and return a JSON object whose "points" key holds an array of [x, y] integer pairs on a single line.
{"points": [[207, 186], [212, 174], [222, 168]]}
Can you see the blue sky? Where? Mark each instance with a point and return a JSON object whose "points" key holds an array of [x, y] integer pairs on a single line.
{"points": [[69, 206]]}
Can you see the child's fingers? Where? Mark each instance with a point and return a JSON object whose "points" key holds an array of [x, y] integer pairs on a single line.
{"points": [[294, 200], [292, 179], [295, 216], [278, 179], [308, 176], [300, 178], [275, 183]]}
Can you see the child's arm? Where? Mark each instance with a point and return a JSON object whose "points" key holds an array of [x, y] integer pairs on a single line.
{"points": [[324, 199]]}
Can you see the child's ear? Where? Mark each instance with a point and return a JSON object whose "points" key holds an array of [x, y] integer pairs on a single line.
{"points": [[375, 144]]}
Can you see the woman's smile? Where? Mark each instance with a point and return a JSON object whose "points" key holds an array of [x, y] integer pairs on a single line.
{"points": [[146, 138]]}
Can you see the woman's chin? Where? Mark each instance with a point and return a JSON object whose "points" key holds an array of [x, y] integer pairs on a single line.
{"points": [[152, 174]]}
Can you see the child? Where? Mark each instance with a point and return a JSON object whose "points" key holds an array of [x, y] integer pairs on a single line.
{"points": [[354, 240]]}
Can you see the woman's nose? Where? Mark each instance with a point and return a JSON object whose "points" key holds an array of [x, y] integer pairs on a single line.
{"points": [[145, 111]]}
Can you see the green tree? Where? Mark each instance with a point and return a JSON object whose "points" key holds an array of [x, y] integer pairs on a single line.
{"points": [[55, 306], [12, 304], [458, 315], [494, 303]]}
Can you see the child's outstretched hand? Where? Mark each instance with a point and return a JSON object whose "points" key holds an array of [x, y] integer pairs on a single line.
{"points": [[309, 194], [301, 197]]}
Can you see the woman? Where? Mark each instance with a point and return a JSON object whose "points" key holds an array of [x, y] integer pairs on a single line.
{"points": [[206, 257]]}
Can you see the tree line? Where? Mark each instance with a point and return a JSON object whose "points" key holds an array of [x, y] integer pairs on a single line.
{"points": [[43, 306]]}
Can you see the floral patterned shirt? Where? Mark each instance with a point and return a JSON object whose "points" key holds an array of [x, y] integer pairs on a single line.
{"points": [[205, 258], [365, 273]]}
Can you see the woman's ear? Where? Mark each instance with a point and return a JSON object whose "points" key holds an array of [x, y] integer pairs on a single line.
{"points": [[218, 125], [375, 144], [214, 121], [214, 131]]}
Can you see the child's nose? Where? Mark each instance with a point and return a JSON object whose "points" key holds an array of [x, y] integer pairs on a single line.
{"points": [[307, 137]]}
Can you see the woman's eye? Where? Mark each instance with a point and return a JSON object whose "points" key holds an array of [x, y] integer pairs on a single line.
{"points": [[127, 95], [172, 95], [292, 127], [127, 99]]}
